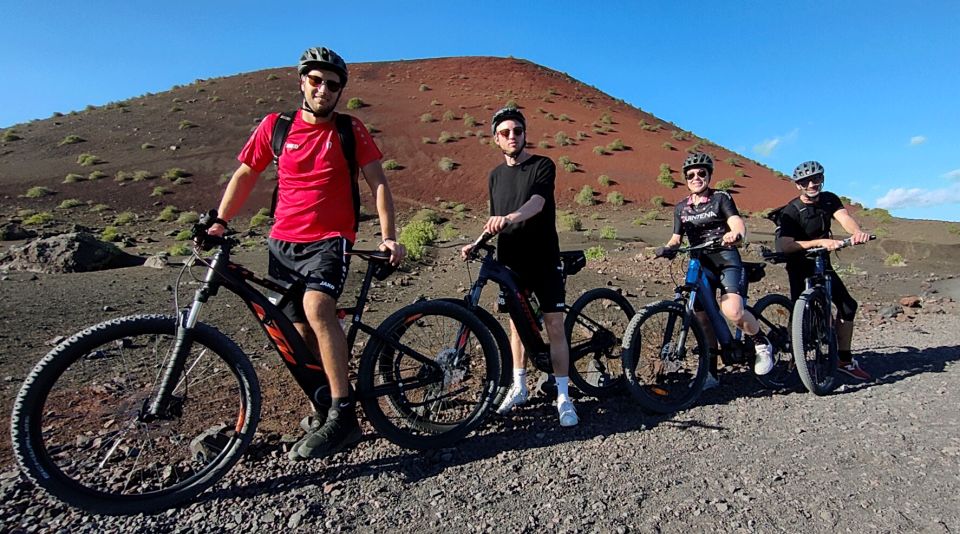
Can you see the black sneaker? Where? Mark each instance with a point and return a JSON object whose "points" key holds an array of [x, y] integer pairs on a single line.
{"points": [[340, 430]]}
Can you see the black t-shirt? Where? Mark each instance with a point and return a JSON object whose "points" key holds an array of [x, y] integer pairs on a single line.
{"points": [[704, 221], [511, 187], [806, 222]]}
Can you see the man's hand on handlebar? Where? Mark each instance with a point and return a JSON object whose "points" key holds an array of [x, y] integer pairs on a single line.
{"points": [[496, 224], [731, 238], [859, 238], [217, 230], [466, 251], [396, 250]]}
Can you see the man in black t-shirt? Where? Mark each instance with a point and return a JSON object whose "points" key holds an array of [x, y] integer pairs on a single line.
{"points": [[804, 223], [523, 213]]}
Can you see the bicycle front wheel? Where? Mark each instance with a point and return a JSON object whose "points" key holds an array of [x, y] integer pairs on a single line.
{"points": [[79, 423], [664, 364], [429, 375], [595, 326], [814, 348], [773, 312]]}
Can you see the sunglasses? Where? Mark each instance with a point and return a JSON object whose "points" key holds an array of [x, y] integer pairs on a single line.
{"points": [[505, 133], [315, 81], [702, 173], [806, 181]]}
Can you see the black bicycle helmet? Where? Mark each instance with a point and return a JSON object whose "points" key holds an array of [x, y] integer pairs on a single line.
{"points": [[806, 170], [325, 59], [698, 159], [506, 114]]}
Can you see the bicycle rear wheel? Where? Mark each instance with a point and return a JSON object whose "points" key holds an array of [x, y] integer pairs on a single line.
{"points": [[80, 434], [664, 364], [595, 326], [429, 375], [814, 349], [773, 312]]}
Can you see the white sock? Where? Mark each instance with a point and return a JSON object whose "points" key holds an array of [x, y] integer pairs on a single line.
{"points": [[563, 393], [520, 378]]}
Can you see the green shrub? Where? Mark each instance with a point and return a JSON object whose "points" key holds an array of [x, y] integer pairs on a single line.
{"points": [[427, 117], [175, 172], [180, 249], [600, 150], [147, 146], [260, 219], [585, 196], [272, 77], [168, 214], [73, 178], [175, 109], [435, 102], [569, 222], [894, 260], [562, 139], [448, 232], [97, 208], [96, 175], [423, 87], [459, 208], [564, 117], [550, 116], [355, 103], [596, 253], [391, 165], [9, 136], [608, 232], [512, 104], [881, 232], [185, 125], [581, 135], [141, 175], [446, 137], [739, 173], [122, 176], [416, 236], [570, 167], [543, 144], [469, 121], [448, 116], [159, 191], [665, 178], [733, 161], [124, 218], [954, 229], [426, 140], [679, 135], [604, 180], [38, 192], [595, 216], [184, 235], [615, 198], [616, 145], [188, 217], [86, 160], [606, 118], [262, 100], [563, 160], [111, 234], [70, 203], [725, 185], [658, 201], [71, 140], [446, 164], [426, 215], [38, 218], [667, 146], [878, 214]]}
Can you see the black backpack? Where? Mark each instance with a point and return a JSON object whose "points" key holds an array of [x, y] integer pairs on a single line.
{"points": [[344, 124]]}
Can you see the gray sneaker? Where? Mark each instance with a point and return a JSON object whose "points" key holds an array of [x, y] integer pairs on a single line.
{"points": [[516, 396], [568, 414], [338, 432]]}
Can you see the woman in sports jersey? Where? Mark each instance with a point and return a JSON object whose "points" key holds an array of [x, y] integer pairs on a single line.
{"points": [[709, 214]]}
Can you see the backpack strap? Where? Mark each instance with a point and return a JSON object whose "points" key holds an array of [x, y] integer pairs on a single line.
{"points": [[278, 137], [348, 143]]}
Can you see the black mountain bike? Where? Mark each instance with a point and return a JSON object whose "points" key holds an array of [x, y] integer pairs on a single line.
{"points": [[665, 353], [815, 325], [594, 324], [139, 413]]}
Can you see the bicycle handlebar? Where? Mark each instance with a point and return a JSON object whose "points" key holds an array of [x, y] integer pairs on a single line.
{"points": [[481, 244], [670, 253], [848, 242]]}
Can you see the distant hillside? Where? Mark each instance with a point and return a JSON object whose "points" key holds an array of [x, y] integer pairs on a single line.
{"points": [[420, 112]]}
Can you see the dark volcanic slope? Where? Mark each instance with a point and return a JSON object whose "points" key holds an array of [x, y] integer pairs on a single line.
{"points": [[201, 127]]}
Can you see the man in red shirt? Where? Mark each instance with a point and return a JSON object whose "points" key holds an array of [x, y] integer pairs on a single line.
{"points": [[315, 223]]}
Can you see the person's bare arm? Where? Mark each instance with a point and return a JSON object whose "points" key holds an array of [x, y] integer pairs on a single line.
{"points": [[377, 181], [236, 194]]}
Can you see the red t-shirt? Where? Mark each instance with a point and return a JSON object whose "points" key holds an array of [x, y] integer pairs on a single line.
{"points": [[315, 198]]}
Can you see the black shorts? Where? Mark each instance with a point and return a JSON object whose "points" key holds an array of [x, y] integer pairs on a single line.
{"points": [[317, 266], [544, 280], [732, 275]]}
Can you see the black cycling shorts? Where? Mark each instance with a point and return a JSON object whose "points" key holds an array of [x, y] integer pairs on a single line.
{"points": [[319, 266], [545, 281], [732, 274]]}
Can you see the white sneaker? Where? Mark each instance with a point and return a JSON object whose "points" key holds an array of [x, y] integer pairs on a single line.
{"points": [[764, 362], [516, 396], [567, 413], [711, 382]]}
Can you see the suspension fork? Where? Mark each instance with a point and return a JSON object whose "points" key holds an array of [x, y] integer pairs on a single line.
{"points": [[162, 404]]}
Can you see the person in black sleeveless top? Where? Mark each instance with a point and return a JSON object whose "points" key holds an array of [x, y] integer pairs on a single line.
{"points": [[705, 215], [805, 223]]}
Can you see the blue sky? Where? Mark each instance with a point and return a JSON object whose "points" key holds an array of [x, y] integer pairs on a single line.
{"points": [[870, 89]]}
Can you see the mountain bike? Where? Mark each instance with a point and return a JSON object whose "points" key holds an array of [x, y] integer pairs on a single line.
{"points": [[594, 323], [142, 412], [665, 354], [814, 325]]}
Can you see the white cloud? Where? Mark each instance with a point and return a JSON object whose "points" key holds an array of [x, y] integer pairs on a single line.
{"points": [[953, 175], [917, 140], [767, 146], [916, 198]]}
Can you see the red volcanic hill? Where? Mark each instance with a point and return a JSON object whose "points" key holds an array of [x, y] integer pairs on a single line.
{"points": [[419, 111]]}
